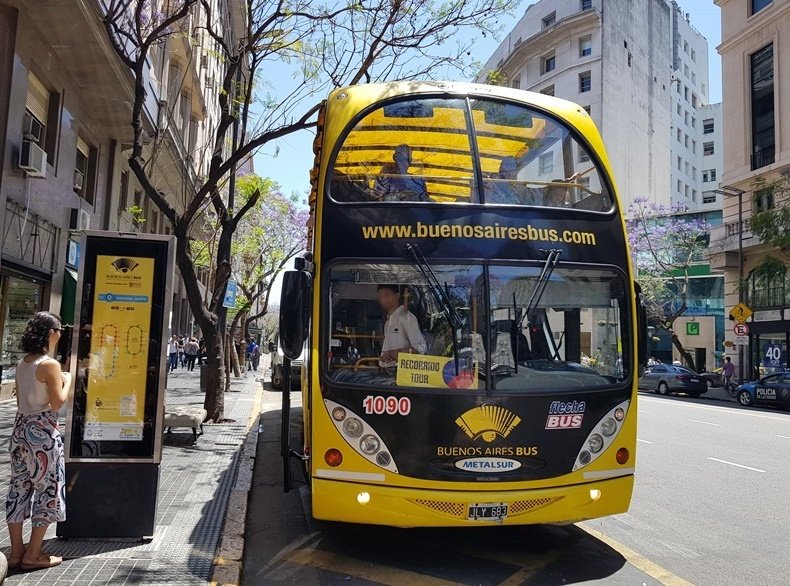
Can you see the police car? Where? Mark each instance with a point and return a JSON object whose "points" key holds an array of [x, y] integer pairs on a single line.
{"points": [[773, 389]]}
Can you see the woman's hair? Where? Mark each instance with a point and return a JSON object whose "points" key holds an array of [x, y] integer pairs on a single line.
{"points": [[36, 335]]}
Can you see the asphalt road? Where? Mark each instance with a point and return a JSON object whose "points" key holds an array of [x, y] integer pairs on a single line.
{"points": [[710, 506]]}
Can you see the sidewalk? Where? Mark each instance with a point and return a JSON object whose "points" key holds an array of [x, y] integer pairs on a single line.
{"points": [[195, 484]]}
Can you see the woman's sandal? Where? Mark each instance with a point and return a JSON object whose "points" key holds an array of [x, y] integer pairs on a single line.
{"points": [[44, 562]]}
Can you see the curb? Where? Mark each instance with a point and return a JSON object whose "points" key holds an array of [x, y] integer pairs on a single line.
{"points": [[226, 569]]}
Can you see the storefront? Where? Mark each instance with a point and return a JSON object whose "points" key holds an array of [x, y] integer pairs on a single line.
{"points": [[769, 342]]}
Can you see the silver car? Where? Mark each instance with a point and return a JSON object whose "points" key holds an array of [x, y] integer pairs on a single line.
{"points": [[665, 379]]}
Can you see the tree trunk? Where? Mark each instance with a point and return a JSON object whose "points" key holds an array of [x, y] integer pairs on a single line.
{"points": [[214, 402], [683, 352]]}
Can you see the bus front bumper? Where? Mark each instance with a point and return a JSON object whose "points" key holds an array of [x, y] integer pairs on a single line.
{"points": [[351, 502]]}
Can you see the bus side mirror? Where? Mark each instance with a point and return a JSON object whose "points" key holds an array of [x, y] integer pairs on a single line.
{"points": [[642, 333], [294, 312]]}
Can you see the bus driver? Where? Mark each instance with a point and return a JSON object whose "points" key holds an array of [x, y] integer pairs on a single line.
{"points": [[401, 330]]}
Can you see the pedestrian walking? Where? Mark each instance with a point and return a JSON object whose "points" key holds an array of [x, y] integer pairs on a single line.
{"points": [[253, 354], [727, 369], [172, 352], [37, 488], [181, 358], [191, 349]]}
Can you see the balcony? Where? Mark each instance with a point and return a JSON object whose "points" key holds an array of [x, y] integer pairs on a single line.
{"points": [[768, 294], [763, 157]]}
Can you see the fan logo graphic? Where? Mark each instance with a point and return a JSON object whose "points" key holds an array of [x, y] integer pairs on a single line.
{"points": [[488, 422], [125, 265]]}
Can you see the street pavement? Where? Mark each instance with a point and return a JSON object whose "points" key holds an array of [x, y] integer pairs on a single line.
{"points": [[709, 507], [195, 481]]}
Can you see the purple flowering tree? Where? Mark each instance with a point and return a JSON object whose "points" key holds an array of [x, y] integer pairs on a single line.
{"points": [[665, 241], [278, 60]]}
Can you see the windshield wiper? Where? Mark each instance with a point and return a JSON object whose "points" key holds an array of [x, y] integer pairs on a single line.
{"points": [[552, 260], [440, 295]]}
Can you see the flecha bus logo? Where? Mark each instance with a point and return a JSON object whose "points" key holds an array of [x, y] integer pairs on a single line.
{"points": [[566, 414]]}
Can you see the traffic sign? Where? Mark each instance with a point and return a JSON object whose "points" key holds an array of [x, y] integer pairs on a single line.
{"points": [[692, 328], [741, 329], [230, 294], [742, 340], [741, 313]]}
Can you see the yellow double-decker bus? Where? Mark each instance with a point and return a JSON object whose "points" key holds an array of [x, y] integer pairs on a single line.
{"points": [[468, 312]]}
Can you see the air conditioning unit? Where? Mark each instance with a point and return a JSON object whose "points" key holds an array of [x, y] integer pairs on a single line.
{"points": [[79, 180], [31, 128], [79, 220], [32, 159]]}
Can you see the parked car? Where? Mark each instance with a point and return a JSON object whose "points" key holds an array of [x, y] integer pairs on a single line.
{"points": [[713, 379], [277, 367], [773, 389], [665, 379]]}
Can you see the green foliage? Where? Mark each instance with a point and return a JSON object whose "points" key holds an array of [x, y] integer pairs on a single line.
{"points": [[496, 77], [138, 215]]}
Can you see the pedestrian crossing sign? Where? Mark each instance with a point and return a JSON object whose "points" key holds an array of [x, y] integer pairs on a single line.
{"points": [[741, 313]]}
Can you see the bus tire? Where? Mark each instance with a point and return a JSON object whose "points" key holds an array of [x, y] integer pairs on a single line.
{"points": [[663, 389]]}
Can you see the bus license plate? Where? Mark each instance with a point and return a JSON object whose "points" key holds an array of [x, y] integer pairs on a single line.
{"points": [[487, 512]]}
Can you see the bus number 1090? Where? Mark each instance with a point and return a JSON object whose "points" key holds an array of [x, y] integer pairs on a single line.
{"points": [[378, 405]]}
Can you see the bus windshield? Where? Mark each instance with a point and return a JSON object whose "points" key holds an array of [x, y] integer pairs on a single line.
{"points": [[473, 151], [504, 328]]}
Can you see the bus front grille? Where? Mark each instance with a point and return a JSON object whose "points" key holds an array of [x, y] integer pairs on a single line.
{"points": [[456, 510]]}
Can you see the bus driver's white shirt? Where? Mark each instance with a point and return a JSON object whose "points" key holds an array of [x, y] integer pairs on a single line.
{"points": [[402, 331]]}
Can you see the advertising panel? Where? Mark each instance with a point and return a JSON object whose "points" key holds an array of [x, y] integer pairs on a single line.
{"points": [[124, 297]]}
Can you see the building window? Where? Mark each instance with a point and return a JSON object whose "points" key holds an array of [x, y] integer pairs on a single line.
{"points": [[585, 82], [546, 163], [694, 100], [585, 46], [42, 117], [694, 173], [686, 165], [694, 146], [679, 110], [707, 148], [686, 118], [85, 171], [680, 164], [694, 195], [763, 123], [708, 126], [584, 156], [705, 176], [686, 47], [685, 140], [693, 122], [763, 200], [693, 78], [123, 198], [549, 19], [693, 56], [758, 5], [548, 90], [548, 63], [680, 135], [516, 83], [686, 93], [686, 191], [686, 70], [585, 5], [708, 198], [680, 186], [709, 175]]}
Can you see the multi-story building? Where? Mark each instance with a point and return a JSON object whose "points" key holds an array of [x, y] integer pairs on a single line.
{"points": [[756, 98], [712, 159], [616, 63], [65, 127], [689, 94]]}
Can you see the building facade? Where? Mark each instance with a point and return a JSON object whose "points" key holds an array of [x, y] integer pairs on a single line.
{"points": [[65, 123], [756, 99]]}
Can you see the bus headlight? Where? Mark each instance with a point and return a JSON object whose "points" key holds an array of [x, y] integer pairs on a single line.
{"points": [[362, 438], [369, 444], [601, 436], [608, 426], [353, 427]]}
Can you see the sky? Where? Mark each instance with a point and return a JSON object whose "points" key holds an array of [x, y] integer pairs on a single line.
{"points": [[288, 162]]}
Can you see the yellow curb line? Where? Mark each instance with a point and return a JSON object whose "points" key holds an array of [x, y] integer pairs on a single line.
{"points": [[639, 561], [220, 562]]}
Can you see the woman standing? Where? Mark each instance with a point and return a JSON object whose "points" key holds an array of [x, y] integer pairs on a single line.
{"points": [[37, 467]]}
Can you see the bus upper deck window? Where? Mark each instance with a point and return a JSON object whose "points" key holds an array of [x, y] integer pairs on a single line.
{"points": [[406, 151], [529, 158]]}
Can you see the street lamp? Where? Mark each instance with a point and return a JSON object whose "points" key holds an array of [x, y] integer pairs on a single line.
{"points": [[729, 191]]}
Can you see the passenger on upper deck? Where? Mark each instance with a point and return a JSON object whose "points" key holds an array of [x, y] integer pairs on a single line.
{"points": [[401, 330], [506, 189], [394, 182], [558, 193]]}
